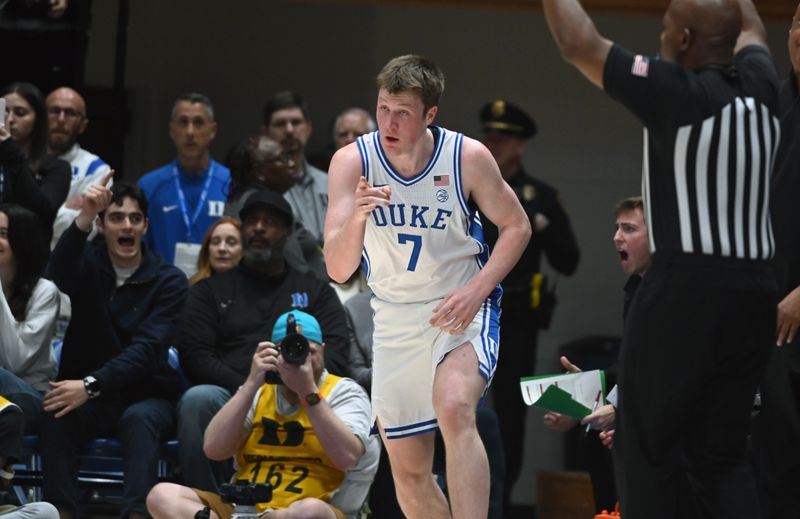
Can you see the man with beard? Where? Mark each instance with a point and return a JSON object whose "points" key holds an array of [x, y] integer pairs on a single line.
{"points": [[286, 121], [66, 121], [261, 163], [228, 314]]}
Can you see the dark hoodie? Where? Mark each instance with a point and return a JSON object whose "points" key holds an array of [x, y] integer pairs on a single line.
{"points": [[120, 336]]}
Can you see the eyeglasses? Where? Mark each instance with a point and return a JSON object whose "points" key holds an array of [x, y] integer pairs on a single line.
{"points": [[119, 217], [69, 113]]}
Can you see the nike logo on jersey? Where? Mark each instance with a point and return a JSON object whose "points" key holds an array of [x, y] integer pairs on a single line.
{"points": [[416, 216], [169, 208]]}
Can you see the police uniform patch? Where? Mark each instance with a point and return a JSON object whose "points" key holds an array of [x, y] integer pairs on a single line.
{"points": [[528, 193]]}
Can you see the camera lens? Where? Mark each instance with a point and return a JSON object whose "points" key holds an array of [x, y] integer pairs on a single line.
{"points": [[294, 349]]}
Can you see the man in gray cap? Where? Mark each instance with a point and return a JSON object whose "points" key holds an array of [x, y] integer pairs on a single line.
{"points": [[228, 314], [528, 299]]}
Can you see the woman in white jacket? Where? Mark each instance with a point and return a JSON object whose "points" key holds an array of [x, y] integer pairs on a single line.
{"points": [[29, 306]]}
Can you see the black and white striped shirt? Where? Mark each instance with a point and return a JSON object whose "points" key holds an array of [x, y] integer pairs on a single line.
{"points": [[711, 137]]}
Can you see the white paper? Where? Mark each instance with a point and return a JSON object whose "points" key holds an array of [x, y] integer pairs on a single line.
{"points": [[583, 387], [186, 257], [612, 396]]}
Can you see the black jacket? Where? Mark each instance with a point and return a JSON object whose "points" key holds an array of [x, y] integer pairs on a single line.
{"points": [[557, 241], [118, 335], [41, 191], [228, 314]]}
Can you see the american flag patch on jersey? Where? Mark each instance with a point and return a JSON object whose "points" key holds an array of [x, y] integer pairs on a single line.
{"points": [[640, 65], [441, 180]]}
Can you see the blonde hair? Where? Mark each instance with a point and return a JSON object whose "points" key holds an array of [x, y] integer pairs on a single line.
{"points": [[204, 269], [413, 73]]}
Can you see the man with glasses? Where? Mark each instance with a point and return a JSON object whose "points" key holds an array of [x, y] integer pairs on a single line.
{"points": [[265, 164], [114, 379], [66, 122], [286, 120]]}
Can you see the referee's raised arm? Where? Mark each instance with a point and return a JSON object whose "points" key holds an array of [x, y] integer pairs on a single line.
{"points": [[753, 31], [577, 38]]}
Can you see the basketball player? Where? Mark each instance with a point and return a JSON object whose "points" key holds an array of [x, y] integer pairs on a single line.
{"points": [[404, 201]]}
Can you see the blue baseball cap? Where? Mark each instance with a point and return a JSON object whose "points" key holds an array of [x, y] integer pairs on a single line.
{"points": [[310, 326]]}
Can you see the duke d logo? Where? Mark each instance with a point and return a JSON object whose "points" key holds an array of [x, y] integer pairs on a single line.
{"points": [[291, 432]]}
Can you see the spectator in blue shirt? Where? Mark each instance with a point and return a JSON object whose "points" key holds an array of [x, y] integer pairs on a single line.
{"points": [[188, 194]]}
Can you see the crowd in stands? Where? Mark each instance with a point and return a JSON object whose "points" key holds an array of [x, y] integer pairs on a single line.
{"points": [[199, 256]]}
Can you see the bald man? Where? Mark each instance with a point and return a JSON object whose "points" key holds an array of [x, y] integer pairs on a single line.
{"points": [[66, 121], [350, 124], [696, 334]]}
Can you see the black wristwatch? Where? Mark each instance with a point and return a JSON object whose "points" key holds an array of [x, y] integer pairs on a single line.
{"points": [[92, 386], [311, 400]]}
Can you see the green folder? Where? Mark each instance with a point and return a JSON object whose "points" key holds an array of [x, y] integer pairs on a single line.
{"points": [[559, 401]]}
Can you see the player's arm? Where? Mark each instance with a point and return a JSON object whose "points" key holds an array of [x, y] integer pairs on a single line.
{"points": [[484, 185], [350, 203], [577, 38], [753, 31]]}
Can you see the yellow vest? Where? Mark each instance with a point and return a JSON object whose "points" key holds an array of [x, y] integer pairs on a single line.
{"points": [[285, 452]]}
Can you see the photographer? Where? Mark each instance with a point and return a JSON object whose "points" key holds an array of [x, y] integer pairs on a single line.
{"points": [[228, 314], [307, 437]]}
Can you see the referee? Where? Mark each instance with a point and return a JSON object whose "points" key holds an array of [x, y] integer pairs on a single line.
{"points": [[697, 336]]}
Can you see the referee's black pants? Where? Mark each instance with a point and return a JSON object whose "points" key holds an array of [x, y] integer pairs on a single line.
{"points": [[696, 343]]}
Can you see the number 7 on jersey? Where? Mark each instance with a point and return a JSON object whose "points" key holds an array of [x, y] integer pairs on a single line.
{"points": [[416, 240]]}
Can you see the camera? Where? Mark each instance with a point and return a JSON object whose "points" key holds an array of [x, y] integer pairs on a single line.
{"points": [[294, 348], [244, 496]]}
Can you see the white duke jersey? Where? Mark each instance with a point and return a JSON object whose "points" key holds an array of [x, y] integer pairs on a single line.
{"points": [[87, 169], [428, 241]]}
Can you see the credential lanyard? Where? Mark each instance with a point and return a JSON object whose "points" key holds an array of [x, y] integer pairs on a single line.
{"points": [[200, 203]]}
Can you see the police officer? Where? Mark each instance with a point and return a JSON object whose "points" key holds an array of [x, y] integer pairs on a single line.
{"points": [[528, 298]]}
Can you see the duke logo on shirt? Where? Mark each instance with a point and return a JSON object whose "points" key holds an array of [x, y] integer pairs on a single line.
{"points": [[300, 300], [216, 208]]}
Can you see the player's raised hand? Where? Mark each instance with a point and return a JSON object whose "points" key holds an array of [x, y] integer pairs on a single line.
{"points": [[96, 199], [367, 198]]}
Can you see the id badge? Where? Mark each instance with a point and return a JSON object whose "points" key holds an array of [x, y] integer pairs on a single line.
{"points": [[186, 257]]}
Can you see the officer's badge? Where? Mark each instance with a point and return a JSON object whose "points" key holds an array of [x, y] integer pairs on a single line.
{"points": [[498, 108], [528, 193]]}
